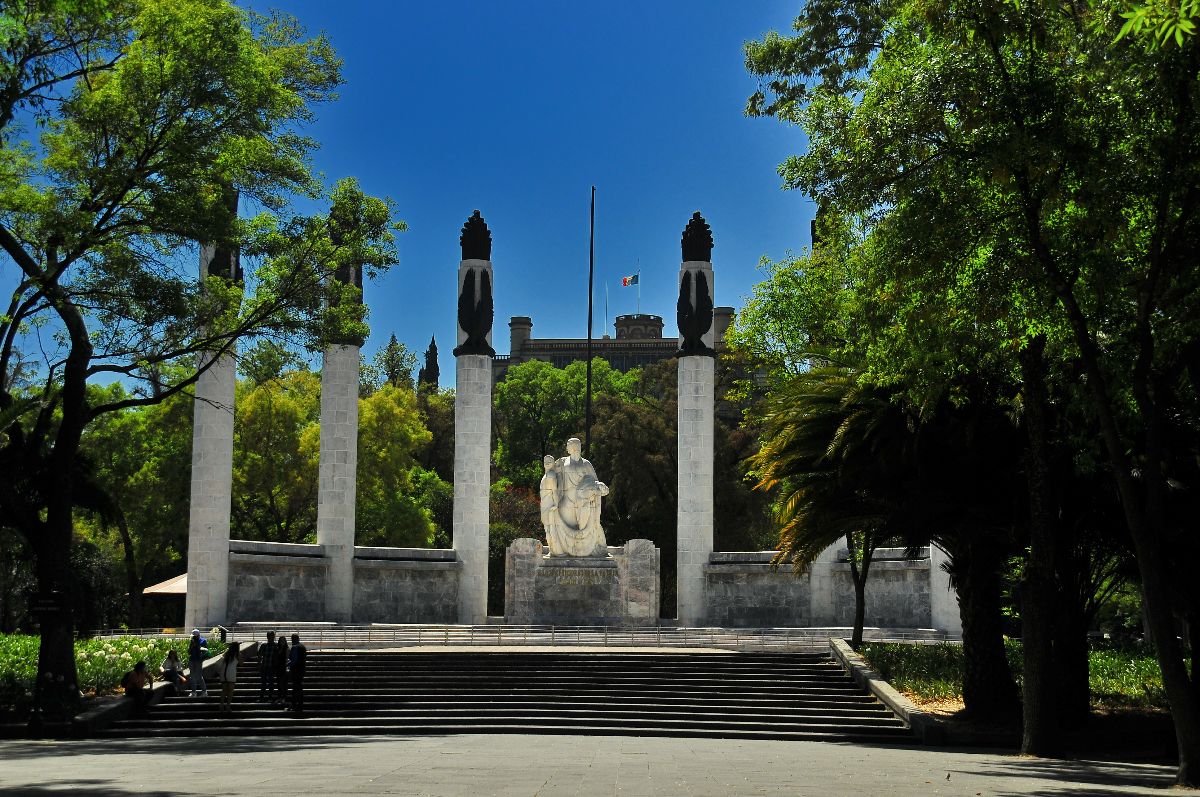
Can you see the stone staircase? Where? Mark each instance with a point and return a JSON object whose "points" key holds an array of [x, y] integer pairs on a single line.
{"points": [[722, 695]]}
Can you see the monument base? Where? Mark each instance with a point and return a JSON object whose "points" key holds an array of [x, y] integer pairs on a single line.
{"points": [[620, 590]]}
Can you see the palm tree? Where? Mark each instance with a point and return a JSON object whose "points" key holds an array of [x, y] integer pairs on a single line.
{"points": [[830, 448]]}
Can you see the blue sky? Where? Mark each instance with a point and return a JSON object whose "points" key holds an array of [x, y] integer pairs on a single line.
{"points": [[517, 109]]}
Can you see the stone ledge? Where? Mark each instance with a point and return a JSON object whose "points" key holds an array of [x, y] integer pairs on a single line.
{"points": [[577, 561], [276, 548], [406, 554], [928, 728], [406, 564], [276, 559], [741, 557]]}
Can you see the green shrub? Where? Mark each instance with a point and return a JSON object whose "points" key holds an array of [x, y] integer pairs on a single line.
{"points": [[99, 664], [1120, 676]]}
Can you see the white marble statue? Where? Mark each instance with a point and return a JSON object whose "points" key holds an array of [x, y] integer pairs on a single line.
{"points": [[570, 494]]}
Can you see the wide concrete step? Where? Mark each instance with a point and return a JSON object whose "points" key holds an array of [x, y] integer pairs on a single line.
{"points": [[863, 703], [564, 723], [712, 695]]}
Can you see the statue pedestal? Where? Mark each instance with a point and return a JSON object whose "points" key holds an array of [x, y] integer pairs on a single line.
{"points": [[620, 590]]}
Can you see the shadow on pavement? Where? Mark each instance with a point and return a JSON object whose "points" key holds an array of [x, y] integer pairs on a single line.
{"points": [[1079, 777], [93, 788], [182, 745]]}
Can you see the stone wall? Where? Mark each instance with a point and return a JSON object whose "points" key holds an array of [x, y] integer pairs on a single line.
{"points": [[621, 590], [276, 581], [743, 590], [399, 585]]}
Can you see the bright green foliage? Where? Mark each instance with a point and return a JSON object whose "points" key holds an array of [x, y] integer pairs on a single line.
{"points": [[276, 445], [538, 407], [390, 433], [1120, 676], [100, 663], [142, 460], [1160, 23], [393, 365]]}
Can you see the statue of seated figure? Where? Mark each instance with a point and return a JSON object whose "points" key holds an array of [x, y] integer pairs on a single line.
{"points": [[571, 494]]}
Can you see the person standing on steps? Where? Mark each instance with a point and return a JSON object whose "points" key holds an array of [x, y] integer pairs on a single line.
{"points": [[266, 669], [197, 650], [281, 675], [229, 666], [297, 659]]}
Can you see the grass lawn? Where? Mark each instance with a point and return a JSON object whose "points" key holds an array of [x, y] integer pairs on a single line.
{"points": [[1122, 677]]}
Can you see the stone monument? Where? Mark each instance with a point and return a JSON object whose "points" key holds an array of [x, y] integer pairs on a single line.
{"points": [[697, 377], [473, 417], [571, 494], [577, 579]]}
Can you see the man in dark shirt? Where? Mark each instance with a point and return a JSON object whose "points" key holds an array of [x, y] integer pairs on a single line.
{"points": [[297, 658]]}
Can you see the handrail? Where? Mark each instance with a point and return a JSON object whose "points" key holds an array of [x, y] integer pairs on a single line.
{"points": [[319, 636]]}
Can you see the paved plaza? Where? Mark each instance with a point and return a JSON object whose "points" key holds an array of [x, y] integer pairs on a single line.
{"points": [[543, 766]]}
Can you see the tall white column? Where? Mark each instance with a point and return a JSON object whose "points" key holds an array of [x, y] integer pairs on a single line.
{"points": [[212, 482], [473, 419], [337, 485], [943, 598], [695, 514], [472, 479], [697, 406]]}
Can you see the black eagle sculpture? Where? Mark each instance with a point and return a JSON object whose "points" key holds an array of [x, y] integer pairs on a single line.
{"points": [[476, 239], [697, 240], [475, 317], [695, 319]]}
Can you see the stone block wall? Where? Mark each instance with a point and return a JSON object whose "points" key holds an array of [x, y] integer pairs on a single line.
{"points": [[743, 590], [265, 584], [278, 581], [399, 585], [622, 590]]}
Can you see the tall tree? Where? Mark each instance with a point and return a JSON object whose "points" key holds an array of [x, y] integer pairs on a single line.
{"points": [[1080, 158], [430, 372], [179, 102]]}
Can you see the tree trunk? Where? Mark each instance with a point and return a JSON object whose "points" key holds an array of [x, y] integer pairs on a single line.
{"points": [[1072, 686], [989, 691], [133, 581], [860, 611], [1039, 591]]}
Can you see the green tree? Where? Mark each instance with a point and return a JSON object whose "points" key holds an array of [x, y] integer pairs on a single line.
{"points": [[177, 104], [539, 407], [393, 365], [390, 434], [142, 461], [1077, 159], [276, 445]]}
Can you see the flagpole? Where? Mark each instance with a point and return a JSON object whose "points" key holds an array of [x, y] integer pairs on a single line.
{"points": [[605, 306], [587, 412], [639, 284]]}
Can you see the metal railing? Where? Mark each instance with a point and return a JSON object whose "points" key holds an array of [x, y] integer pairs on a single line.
{"points": [[328, 636]]}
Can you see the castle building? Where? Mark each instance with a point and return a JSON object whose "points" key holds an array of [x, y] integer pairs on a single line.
{"points": [[639, 341]]}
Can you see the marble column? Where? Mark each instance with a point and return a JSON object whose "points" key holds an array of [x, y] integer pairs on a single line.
{"points": [[943, 598], [697, 405], [212, 470], [337, 475], [473, 419]]}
